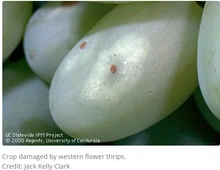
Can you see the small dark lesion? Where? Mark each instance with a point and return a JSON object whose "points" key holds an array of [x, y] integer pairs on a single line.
{"points": [[113, 68], [82, 45]]}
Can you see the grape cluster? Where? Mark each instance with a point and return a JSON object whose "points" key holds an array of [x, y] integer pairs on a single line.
{"points": [[119, 72]]}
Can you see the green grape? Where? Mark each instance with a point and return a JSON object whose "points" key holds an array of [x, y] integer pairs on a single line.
{"points": [[209, 56], [54, 29], [25, 103], [133, 68], [15, 18]]}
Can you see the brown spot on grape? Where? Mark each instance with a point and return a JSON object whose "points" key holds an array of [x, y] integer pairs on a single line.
{"points": [[83, 45], [69, 3], [113, 68]]}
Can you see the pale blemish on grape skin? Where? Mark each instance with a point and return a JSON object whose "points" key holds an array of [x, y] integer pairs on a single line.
{"points": [[218, 92], [113, 68], [32, 56], [211, 57], [69, 3], [83, 45]]}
